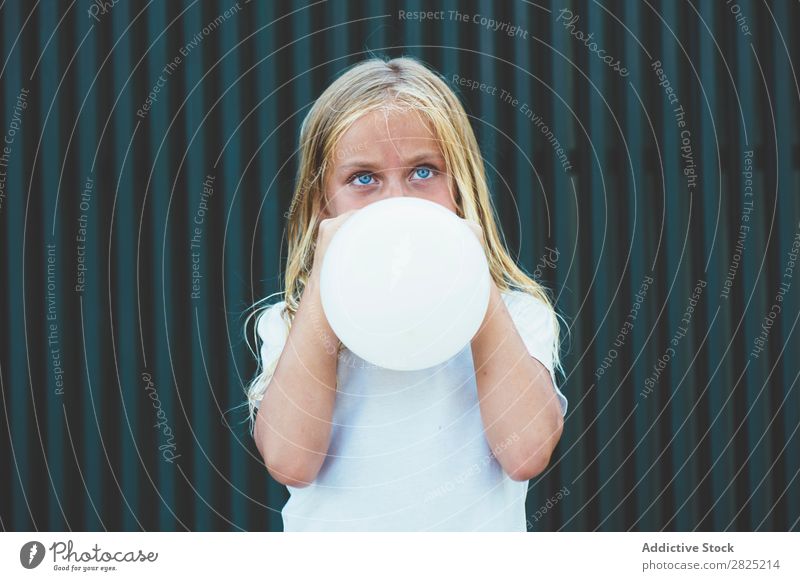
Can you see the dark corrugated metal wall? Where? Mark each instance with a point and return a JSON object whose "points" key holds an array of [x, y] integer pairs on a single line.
{"points": [[135, 234]]}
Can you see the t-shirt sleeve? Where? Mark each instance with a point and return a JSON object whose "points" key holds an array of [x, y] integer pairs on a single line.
{"points": [[536, 325], [272, 333]]}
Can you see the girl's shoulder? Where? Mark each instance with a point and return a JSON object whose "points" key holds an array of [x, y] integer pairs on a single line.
{"points": [[271, 322], [522, 299], [529, 311]]}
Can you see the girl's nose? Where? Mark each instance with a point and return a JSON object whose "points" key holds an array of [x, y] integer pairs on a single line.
{"points": [[395, 190]]}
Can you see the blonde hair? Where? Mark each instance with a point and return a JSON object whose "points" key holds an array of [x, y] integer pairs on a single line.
{"points": [[370, 85]]}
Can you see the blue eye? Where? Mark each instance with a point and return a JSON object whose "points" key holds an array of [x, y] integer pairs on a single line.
{"points": [[363, 179], [423, 173]]}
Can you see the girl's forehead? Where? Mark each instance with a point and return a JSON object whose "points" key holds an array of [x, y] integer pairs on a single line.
{"points": [[392, 129], [389, 124]]}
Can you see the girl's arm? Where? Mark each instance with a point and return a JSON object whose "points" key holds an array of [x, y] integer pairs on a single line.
{"points": [[519, 407], [293, 425]]}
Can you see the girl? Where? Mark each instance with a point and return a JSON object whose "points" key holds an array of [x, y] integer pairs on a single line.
{"points": [[449, 448]]}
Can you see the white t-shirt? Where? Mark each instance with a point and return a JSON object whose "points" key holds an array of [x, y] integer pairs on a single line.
{"points": [[408, 450]]}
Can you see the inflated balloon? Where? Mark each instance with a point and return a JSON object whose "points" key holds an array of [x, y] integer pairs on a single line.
{"points": [[405, 283]]}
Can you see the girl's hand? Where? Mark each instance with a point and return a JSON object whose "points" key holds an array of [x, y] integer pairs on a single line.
{"points": [[327, 228], [477, 230]]}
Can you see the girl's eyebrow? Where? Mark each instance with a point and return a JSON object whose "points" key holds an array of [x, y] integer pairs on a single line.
{"points": [[429, 156]]}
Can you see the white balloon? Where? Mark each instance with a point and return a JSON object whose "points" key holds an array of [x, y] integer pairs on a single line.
{"points": [[405, 283]]}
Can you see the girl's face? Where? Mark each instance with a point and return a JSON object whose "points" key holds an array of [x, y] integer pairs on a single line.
{"points": [[386, 153]]}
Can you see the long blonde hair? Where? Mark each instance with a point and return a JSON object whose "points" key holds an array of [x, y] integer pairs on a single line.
{"points": [[365, 87]]}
